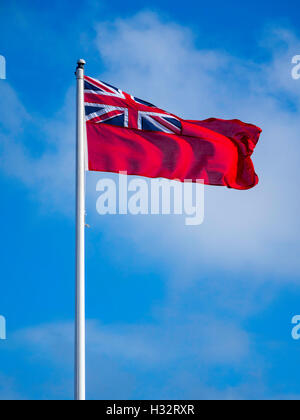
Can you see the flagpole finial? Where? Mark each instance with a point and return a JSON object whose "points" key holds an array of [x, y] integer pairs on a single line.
{"points": [[81, 63]]}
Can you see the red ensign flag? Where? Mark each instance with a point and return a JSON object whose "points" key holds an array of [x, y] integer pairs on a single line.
{"points": [[125, 133]]}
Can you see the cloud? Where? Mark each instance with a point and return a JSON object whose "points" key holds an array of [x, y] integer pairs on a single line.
{"points": [[175, 358], [125, 353], [159, 60], [147, 345], [38, 152]]}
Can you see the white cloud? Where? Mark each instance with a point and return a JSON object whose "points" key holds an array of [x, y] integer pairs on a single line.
{"points": [[38, 152], [242, 230], [195, 337], [173, 359], [122, 354], [160, 61]]}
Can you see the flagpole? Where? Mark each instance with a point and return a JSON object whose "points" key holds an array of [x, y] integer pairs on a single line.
{"points": [[80, 239]]}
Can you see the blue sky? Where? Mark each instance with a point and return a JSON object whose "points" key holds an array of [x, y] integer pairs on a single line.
{"points": [[173, 311]]}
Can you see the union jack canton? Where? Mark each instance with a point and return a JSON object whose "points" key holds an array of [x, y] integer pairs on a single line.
{"points": [[105, 104]]}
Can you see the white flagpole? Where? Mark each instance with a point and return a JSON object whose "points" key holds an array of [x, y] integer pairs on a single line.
{"points": [[80, 239]]}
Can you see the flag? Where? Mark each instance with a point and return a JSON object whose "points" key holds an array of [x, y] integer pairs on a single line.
{"points": [[128, 134]]}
